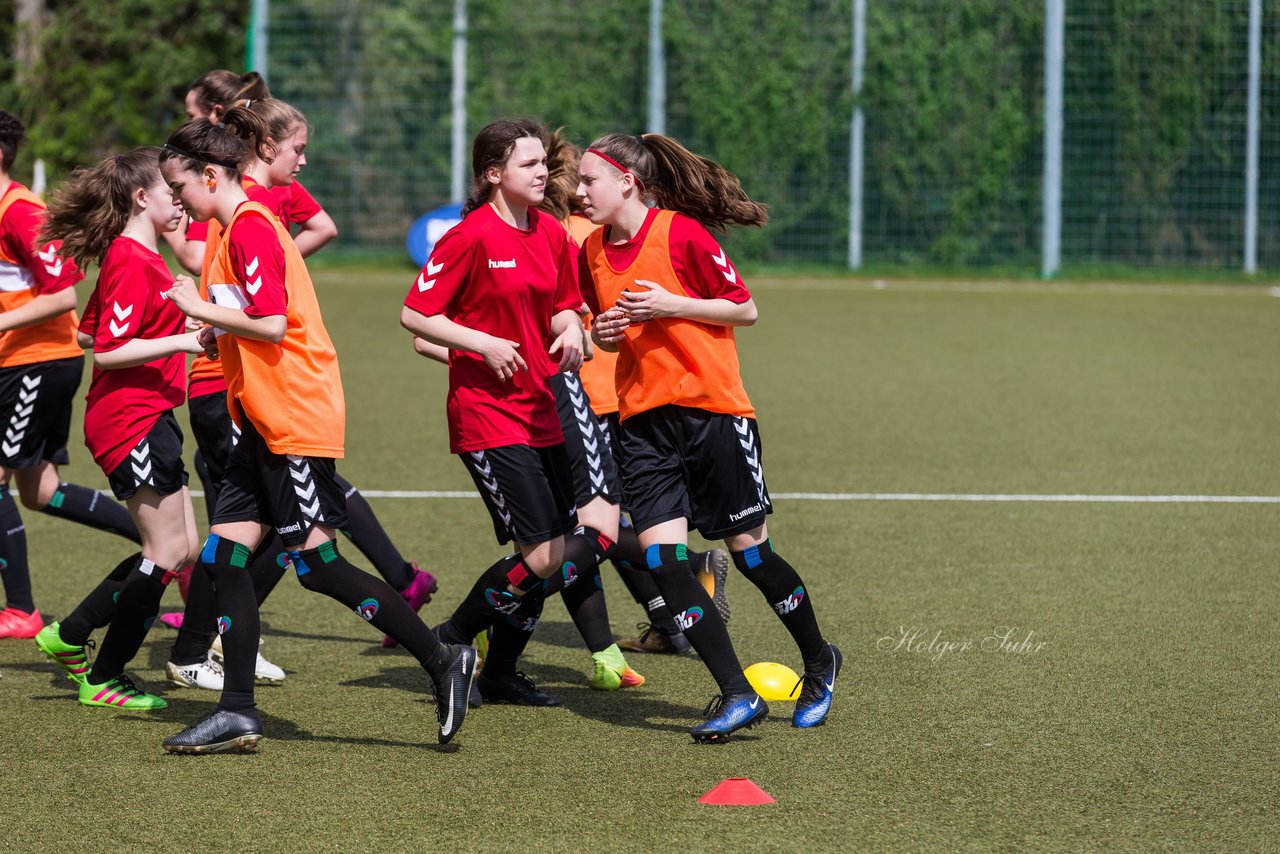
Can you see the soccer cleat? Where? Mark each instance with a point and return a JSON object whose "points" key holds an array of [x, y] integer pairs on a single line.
{"points": [[712, 573], [419, 592], [120, 693], [453, 691], [515, 689], [220, 731], [20, 624], [727, 715], [815, 696], [263, 670], [74, 660], [173, 619], [611, 671], [652, 640], [207, 674]]}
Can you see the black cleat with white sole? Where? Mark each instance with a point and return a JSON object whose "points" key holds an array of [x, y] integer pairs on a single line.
{"points": [[453, 690]]}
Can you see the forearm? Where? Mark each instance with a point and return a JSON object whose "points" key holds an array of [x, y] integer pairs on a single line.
{"points": [[440, 330], [40, 309], [139, 351], [431, 350], [565, 320], [717, 312], [270, 328], [315, 233]]}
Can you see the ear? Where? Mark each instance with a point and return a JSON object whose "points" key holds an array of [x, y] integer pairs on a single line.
{"points": [[209, 174], [493, 175], [140, 198]]}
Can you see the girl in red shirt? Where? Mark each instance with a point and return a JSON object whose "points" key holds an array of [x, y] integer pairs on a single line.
{"points": [[285, 393], [112, 215], [667, 298], [498, 292]]}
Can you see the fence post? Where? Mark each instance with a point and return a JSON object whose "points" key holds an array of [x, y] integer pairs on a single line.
{"points": [[1251, 141], [657, 71], [856, 134], [1051, 198], [256, 50], [458, 144]]}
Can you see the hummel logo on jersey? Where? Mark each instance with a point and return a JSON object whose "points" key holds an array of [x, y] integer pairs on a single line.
{"points": [[53, 264], [122, 313], [726, 269], [252, 286], [502, 265], [786, 606], [432, 270]]}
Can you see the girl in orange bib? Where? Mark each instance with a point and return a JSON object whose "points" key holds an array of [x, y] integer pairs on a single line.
{"points": [[667, 299]]}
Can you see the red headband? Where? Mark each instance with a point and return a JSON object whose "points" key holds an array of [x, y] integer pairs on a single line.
{"points": [[615, 164]]}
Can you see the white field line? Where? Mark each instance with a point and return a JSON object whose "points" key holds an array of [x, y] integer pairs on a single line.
{"points": [[909, 496]]}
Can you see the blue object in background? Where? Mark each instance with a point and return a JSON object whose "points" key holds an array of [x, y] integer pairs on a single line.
{"points": [[429, 228]]}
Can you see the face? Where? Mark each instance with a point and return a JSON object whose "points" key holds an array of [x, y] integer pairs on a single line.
{"points": [[523, 178], [189, 190], [160, 207], [290, 157], [193, 106], [600, 189]]}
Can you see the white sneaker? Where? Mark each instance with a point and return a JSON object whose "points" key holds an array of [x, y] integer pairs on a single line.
{"points": [[263, 670], [205, 674]]}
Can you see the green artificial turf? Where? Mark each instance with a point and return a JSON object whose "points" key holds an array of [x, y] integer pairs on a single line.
{"points": [[1133, 705]]}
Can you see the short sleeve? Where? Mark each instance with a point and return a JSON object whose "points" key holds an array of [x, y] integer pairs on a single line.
{"points": [[703, 265], [302, 205], [52, 272], [258, 260], [444, 275], [119, 305]]}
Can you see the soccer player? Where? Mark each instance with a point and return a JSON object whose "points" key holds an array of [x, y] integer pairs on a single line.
{"points": [[285, 393], [112, 215], [499, 293], [667, 298], [41, 365]]}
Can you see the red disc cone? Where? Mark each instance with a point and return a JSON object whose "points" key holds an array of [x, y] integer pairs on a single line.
{"points": [[736, 791]]}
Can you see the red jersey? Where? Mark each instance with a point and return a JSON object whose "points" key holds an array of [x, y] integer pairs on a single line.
{"points": [[124, 404], [26, 271], [296, 205], [268, 198], [196, 231], [488, 275]]}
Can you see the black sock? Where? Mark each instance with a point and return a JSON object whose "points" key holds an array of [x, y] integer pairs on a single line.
{"points": [[696, 614], [325, 571], [227, 564], [584, 598], [786, 594], [199, 620], [367, 534], [95, 610], [136, 608], [511, 634], [269, 564], [92, 508], [628, 560], [480, 608], [15, 573]]}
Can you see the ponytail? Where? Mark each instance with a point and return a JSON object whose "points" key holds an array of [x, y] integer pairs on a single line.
{"points": [[677, 179], [91, 208]]}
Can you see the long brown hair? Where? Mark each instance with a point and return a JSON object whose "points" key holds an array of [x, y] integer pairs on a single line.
{"points": [[91, 208], [492, 147], [679, 180], [230, 144], [12, 133], [561, 198], [217, 90]]}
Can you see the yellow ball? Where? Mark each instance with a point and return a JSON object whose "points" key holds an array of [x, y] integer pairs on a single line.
{"points": [[773, 681]]}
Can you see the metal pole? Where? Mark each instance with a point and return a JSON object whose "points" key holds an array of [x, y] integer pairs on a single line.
{"points": [[1251, 143], [657, 71], [260, 16], [1054, 36], [458, 164], [855, 136]]}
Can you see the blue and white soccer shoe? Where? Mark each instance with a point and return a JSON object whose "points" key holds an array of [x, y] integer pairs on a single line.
{"points": [[727, 715], [815, 697]]}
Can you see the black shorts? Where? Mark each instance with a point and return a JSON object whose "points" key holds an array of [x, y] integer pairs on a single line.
{"points": [[156, 461], [291, 494], [214, 431], [529, 491], [702, 466], [35, 409], [590, 461]]}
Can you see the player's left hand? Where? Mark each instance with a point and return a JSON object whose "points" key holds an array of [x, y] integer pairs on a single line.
{"points": [[569, 345], [648, 302], [184, 294]]}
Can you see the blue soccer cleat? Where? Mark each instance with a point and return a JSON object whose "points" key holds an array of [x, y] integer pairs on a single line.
{"points": [[727, 715], [815, 697]]}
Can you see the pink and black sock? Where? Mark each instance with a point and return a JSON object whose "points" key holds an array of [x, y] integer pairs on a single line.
{"points": [[136, 609], [323, 570], [786, 594], [95, 610], [15, 572], [92, 508], [697, 616]]}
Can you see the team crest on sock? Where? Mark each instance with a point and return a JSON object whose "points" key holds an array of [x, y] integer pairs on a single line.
{"points": [[368, 608], [786, 606], [224, 625], [686, 619]]}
